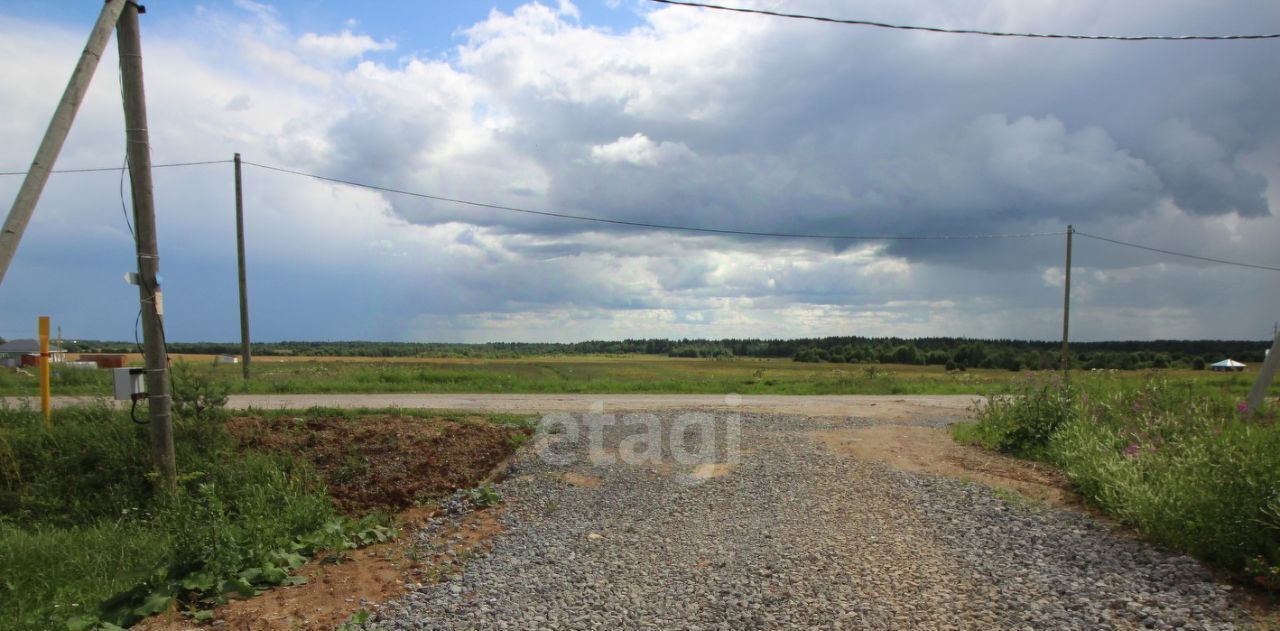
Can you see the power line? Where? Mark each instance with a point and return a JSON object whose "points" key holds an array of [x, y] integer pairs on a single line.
{"points": [[683, 228], [1182, 254], [747, 233], [658, 226], [100, 169], [959, 31]]}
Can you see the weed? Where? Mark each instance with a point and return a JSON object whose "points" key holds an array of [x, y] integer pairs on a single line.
{"points": [[354, 465], [1022, 422], [484, 496], [1179, 463], [85, 538], [357, 622]]}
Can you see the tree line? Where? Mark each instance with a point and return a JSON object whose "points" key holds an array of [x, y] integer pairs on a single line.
{"points": [[953, 352]]}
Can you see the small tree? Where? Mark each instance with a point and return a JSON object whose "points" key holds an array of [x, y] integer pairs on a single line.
{"points": [[197, 396]]}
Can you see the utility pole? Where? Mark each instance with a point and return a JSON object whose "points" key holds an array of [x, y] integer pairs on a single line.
{"points": [[144, 220], [244, 289], [46, 402], [1262, 382], [33, 184], [1066, 308]]}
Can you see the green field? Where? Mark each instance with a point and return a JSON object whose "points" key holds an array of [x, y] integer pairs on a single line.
{"points": [[590, 374]]}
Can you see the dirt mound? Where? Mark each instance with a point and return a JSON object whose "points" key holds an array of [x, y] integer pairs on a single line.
{"points": [[383, 462]]}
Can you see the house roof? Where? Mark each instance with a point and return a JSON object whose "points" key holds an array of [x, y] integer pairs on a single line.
{"points": [[1229, 363], [25, 346]]}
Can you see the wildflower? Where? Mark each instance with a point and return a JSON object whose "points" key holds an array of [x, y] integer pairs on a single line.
{"points": [[1137, 407], [1242, 407], [1132, 450]]}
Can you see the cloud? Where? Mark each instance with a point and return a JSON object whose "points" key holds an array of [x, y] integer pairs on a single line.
{"points": [[341, 46], [693, 118], [638, 150], [1203, 177]]}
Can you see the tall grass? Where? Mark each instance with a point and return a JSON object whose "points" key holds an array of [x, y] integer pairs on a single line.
{"points": [[81, 519], [1182, 465]]}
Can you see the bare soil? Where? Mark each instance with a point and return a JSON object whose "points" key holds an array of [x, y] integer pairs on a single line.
{"points": [[932, 450], [371, 464], [383, 463]]}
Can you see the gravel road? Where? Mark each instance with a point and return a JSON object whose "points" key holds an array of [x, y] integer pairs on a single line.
{"points": [[866, 406], [790, 537]]}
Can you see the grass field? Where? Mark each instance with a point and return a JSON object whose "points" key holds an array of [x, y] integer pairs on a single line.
{"points": [[584, 374]]}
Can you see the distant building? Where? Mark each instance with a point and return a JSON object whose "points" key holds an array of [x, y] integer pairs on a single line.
{"points": [[16, 353], [103, 361], [226, 359], [1227, 365]]}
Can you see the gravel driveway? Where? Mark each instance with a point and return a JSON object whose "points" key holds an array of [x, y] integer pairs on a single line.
{"points": [[791, 537]]}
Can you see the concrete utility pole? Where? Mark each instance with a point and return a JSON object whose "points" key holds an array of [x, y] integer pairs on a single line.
{"points": [[1263, 381], [33, 184], [1066, 307], [139, 153], [244, 289]]}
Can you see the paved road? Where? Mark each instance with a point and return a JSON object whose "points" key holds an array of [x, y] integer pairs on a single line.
{"points": [[888, 407]]}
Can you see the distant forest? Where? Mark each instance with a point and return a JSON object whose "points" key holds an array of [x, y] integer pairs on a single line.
{"points": [[954, 353]]}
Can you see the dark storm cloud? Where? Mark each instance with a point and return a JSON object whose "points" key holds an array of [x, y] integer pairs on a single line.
{"points": [[797, 128]]}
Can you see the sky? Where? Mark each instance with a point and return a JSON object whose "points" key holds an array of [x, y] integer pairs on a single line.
{"points": [[642, 112]]}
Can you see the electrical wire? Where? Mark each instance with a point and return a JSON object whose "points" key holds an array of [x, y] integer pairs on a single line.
{"points": [[961, 31], [1181, 254], [648, 225], [133, 413], [123, 210], [658, 226], [725, 231], [100, 169]]}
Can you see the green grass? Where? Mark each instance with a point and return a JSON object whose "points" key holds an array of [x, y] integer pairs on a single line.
{"points": [[585, 375], [81, 519], [85, 532], [1176, 460], [52, 573]]}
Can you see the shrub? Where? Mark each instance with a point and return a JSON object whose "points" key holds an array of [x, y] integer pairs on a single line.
{"points": [[1022, 421], [1180, 464]]}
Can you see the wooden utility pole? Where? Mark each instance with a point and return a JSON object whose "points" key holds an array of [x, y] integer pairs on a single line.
{"points": [[1263, 381], [1066, 308], [244, 289], [33, 184], [144, 220]]}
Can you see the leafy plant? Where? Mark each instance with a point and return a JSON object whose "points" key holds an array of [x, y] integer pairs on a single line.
{"points": [[1023, 421], [484, 496]]}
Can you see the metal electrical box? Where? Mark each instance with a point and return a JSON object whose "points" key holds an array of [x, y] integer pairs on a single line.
{"points": [[129, 383]]}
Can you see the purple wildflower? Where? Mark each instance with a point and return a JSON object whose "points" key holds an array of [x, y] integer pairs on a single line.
{"points": [[1132, 450], [1242, 407]]}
